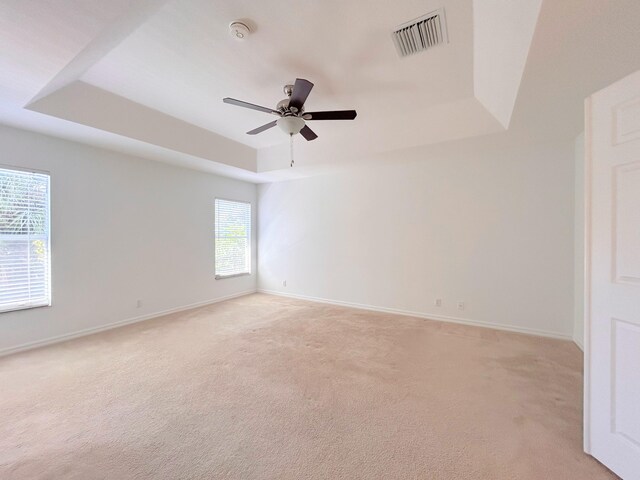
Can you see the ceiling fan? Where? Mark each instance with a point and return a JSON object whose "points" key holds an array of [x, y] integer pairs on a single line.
{"points": [[291, 111]]}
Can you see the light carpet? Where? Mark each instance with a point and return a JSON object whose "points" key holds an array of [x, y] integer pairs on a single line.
{"points": [[264, 387]]}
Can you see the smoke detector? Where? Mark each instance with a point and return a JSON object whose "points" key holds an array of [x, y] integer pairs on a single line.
{"points": [[239, 30]]}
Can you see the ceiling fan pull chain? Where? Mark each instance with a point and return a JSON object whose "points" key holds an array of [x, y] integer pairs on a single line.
{"points": [[291, 148]]}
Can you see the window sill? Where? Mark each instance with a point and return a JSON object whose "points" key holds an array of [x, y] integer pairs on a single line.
{"points": [[222, 277], [25, 307]]}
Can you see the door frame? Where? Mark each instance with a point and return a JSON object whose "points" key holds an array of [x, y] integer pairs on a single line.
{"points": [[586, 405]]}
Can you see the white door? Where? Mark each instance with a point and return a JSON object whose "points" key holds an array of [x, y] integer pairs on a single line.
{"points": [[612, 359]]}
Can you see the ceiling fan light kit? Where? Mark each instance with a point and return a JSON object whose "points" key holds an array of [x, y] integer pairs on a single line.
{"points": [[290, 125]]}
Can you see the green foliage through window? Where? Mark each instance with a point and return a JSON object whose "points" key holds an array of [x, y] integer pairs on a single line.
{"points": [[232, 238], [24, 239]]}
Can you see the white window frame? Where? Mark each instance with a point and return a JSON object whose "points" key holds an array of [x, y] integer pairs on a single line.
{"points": [[215, 239], [48, 303]]}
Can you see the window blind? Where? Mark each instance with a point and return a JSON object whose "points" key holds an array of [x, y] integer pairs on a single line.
{"points": [[232, 238], [24, 240]]}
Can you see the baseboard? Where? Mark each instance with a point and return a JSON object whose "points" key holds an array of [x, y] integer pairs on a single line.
{"points": [[442, 318], [119, 323], [578, 342]]}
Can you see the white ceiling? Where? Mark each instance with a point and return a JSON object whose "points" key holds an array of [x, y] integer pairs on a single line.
{"points": [[40, 38], [183, 62], [147, 76]]}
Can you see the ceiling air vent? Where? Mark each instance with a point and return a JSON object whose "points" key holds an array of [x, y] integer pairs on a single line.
{"points": [[421, 34]]}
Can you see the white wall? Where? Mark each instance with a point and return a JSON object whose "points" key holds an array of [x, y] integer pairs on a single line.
{"points": [[123, 229], [487, 221], [579, 236]]}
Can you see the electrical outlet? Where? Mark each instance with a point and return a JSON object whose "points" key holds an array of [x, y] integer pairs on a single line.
{"points": [[284, 283], [460, 305], [138, 303], [438, 302]]}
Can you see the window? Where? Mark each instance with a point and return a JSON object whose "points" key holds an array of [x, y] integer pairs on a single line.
{"points": [[233, 238], [24, 240]]}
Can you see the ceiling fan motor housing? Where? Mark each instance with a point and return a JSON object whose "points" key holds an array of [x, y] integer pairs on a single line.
{"points": [[283, 105]]}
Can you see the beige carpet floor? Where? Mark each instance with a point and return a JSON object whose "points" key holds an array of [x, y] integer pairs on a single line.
{"points": [[262, 387]]}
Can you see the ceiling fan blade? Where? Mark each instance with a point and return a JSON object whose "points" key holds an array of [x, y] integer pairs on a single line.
{"points": [[331, 115], [301, 90], [262, 128], [307, 133], [240, 103]]}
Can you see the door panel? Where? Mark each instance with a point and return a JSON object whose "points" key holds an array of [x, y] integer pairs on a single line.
{"points": [[626, 382], [612, 356], [626, 220]]}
